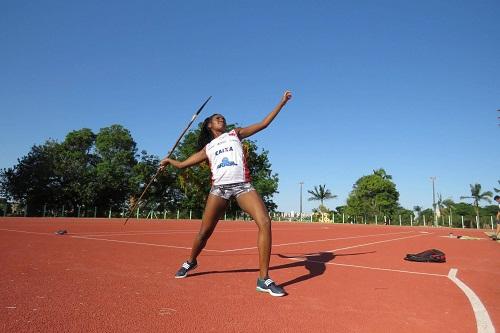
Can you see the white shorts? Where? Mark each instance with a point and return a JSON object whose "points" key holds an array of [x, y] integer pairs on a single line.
{"points": [[229, 191]]}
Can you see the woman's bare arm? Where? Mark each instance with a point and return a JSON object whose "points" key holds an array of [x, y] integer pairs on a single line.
{"points": [[245, 132], [194, 159]]}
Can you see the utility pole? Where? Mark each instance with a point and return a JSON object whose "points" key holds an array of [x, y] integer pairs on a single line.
{"points": [[434, 200], [300, 211]]}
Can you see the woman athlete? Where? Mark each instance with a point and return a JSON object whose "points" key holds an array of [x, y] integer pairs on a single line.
{"points": [[230, 178]]}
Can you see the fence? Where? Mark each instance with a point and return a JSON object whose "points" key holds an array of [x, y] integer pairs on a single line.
{"points": [[100, 212], [454, 221]]}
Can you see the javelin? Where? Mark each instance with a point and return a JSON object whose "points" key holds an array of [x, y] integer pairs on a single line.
{"points": [[168, 156]]}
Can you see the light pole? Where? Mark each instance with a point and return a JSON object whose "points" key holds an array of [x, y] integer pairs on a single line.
{"points": [[300, 210], [434, 200]]}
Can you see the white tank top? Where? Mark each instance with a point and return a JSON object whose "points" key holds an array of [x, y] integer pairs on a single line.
{"points": [[227, 160]]}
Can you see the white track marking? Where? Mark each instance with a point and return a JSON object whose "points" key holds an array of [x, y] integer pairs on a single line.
{"points": [[340, 238], [483, 321], [388, 269], [240, 249], [366, 244], [224, 251], [133, 233], [329, 239], [108, 240], [139, 243], [369, 267], [140, 233], [167, 311], [29, 232]]}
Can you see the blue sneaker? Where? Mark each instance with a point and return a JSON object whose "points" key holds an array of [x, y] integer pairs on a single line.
{"points": [[268, 286], [185, 268]]}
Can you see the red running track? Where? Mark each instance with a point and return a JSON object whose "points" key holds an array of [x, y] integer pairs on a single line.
{"points": [[106, 277]]}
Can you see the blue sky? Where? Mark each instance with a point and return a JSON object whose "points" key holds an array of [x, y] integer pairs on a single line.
{"points": [[412, 87]]}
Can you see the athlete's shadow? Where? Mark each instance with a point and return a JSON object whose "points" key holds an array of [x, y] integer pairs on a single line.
{"points": [[315, 264]]}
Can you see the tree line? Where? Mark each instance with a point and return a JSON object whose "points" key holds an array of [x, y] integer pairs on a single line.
{"points": [[376, 195], [93, 173]]}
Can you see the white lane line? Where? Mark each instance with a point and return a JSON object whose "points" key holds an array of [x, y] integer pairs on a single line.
{"points": [[145, 232], [382, 241], [139, 243], [135, 234], [140, 233], [28, 232], [340, 238], [483, 321], [388, 269], [331, 239], [108, 240], [371, 268], [240, 249]]}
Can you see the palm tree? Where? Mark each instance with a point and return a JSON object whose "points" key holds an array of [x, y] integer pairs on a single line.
{"points": [[439, 205], [321, 194], [449, 205], [477, 196]]}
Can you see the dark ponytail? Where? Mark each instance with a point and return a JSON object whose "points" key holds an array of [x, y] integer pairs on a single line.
{"points": [[205, 134]]}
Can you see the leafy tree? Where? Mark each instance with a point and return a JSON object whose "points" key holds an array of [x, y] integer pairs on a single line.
{"points": [[115, 150], [85, 170], [162, 194], [263, 179], [497, 190], [477, 197], [194, 183], [33, 181], [382, 173], [4, 206], [103, 170], [356, 206], [322, 209], [428, 213], [464, 209], [490, 210], [321, 193], [404, 213], [373, 195], [340, 209], [75, 167]]}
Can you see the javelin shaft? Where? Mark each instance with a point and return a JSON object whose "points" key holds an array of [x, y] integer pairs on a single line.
{"points": [[168, 155], [187, 127]]}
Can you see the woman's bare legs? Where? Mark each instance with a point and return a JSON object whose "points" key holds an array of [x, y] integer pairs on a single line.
{"points": [[214, 208], [252, 203]]}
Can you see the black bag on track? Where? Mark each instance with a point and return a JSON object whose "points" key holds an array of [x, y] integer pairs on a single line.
{"points": [[427, 256]]}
